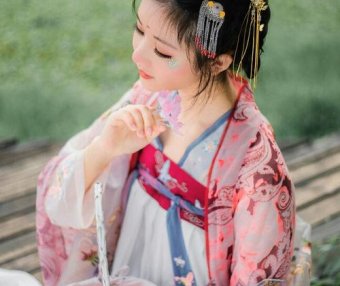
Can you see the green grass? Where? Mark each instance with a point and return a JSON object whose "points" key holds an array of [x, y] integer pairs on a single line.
{"points": [[64, 62], [300, 84]]}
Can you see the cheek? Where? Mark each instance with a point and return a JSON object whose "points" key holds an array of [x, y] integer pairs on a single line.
{"points": [[178, 77], [183, 71], [177, 66]]}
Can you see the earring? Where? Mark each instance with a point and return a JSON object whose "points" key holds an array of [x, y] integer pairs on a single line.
{"points": [[172, 63]]}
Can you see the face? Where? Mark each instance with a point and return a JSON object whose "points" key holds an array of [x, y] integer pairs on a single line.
{"points": [[162, 62]]}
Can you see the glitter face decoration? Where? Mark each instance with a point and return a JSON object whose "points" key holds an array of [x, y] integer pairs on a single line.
{"points": [[172, 63]]}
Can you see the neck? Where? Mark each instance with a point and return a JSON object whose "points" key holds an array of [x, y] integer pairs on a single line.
{"points": [[203, 113]]}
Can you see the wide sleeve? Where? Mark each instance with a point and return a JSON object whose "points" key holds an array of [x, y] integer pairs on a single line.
{"points": [[264, 217], [62, 180]]}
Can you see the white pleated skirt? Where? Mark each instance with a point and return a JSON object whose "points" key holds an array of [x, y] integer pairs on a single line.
{"points": [[143, 245]]}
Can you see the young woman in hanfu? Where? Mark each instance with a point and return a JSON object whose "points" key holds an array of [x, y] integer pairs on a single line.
{"points": [[196, 189]]}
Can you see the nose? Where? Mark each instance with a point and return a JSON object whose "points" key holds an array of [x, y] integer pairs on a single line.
{"points": [[140, 54]]}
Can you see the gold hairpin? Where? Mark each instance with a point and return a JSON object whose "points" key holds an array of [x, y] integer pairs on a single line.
{"points": [[251, 22], [257, 7]]}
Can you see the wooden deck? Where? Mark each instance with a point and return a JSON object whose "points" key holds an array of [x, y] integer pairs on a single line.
{"points": [[19, 168], [314, 166]]}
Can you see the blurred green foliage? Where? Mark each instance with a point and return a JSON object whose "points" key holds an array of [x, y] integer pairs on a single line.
{"points": [[326, 263], [64, 62]]}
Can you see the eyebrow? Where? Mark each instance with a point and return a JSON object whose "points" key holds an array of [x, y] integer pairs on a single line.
{"points": [[157, 38]]}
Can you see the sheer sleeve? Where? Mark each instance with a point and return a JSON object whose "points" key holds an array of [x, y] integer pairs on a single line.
{"points": [[66, 203], [264, 218]]}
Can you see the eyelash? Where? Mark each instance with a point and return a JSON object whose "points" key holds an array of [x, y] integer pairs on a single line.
{"points": [[158, 53]]}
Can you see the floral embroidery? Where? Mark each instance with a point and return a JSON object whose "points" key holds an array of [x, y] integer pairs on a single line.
{"points": [[210, 146], [168, 180], [62, 174], [169, 109], [179, 261], [187, 280], [91, 256]]}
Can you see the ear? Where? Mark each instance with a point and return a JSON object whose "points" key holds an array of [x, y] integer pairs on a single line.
{"points": [[221, 63]]}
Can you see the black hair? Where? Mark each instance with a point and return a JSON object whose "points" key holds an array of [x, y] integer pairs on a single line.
{"points": [[183, 16]]}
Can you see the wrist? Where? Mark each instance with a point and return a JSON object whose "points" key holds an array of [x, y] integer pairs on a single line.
{"points": [[99, 152]]}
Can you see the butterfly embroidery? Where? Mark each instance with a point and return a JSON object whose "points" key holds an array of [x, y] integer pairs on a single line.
{"points": [[187, 281], [164, 175]]}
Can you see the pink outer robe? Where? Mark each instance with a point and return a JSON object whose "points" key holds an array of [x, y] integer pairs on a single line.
{"points": [[249, 204]]}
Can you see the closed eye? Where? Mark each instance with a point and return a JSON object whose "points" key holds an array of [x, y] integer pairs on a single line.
{"points": [[158, 53], [139, 31]]}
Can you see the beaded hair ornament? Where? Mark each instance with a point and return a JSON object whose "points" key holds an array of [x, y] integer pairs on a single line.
{"points": [[210, 20]]}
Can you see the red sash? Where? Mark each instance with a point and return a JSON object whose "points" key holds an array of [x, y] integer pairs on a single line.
{"points": [[177, 181]]}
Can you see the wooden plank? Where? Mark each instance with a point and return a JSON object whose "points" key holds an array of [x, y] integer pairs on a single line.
{"points": [[23, 183], [317, 190], [17, 206], [23, 166], [7, 143], [26, 150], [17, 226], [20, 179], [19, 189], [17, 247], [322, 211], [326, 230], [289, 144], [27, 263], [312, 151], [322, 167]]}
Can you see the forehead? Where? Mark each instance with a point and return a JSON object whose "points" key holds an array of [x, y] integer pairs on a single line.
{"points": [[153, 16]]}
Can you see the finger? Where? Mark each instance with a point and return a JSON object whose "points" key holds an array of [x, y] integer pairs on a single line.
{"points": [[154, 104], [129, 120], [149, 120], [153, 101], [138, 119]]}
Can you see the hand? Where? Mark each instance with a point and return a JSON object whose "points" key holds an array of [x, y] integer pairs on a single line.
{"points": [[130, 129]]}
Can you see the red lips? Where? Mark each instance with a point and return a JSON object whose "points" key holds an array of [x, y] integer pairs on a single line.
{"points": [[144, 75]]}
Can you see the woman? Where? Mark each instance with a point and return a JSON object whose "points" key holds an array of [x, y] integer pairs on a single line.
{"points": [[196, 189]]}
